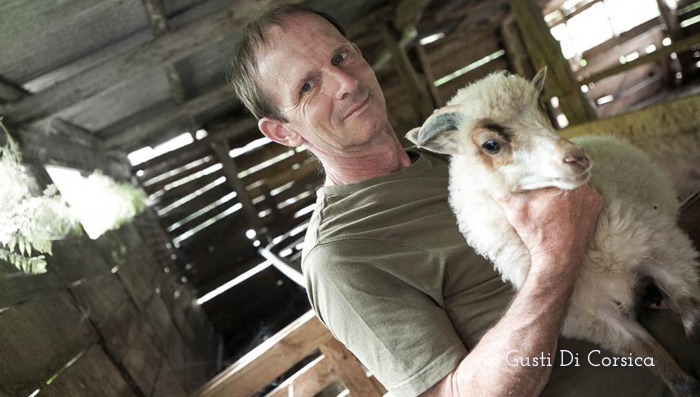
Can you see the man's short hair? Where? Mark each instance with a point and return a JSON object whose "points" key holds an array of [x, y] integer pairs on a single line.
{"points": [[244, 66]]}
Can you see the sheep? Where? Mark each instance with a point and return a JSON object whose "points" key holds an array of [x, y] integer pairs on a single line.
{"points": [[501, 143]]}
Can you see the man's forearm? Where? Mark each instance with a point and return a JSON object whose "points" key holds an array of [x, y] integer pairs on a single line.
{"points": [[530, 326]]}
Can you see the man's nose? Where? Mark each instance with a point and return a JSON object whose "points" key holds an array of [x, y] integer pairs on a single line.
{"points": [[344, 84]]}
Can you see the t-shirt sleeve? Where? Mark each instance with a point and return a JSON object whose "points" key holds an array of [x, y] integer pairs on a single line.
{"points": [[384, 302]]}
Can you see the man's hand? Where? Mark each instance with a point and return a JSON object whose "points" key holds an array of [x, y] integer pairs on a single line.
{"points": [[556, 225]]}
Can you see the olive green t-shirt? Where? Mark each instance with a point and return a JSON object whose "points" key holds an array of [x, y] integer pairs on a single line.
{"points": [[393, 279]]}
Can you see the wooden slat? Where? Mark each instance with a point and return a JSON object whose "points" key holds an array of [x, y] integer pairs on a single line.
{"points": [[201, 201], [153, 187], [269, 360], [260, 155], [207, 215], [448, 90], [172, 160], [280, 169], [38, 338], [662, 52], [170, 196], [202, 239], [94, 374], [308, 381]]}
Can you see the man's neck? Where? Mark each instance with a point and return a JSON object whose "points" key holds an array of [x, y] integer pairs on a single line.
{"points": [[377, 161]]}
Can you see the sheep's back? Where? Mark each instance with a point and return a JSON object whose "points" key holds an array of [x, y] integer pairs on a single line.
{"points": [[625, 173]]}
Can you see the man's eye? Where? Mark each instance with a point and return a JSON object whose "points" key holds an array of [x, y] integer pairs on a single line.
{"points": [[338, 59]]}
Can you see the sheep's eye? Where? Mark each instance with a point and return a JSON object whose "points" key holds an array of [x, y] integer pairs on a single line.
{"points": [[492, 147]]}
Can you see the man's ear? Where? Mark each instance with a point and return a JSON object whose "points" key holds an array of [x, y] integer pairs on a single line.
{"points": [[278, 132]]}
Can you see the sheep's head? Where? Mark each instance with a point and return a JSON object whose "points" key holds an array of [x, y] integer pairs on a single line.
{"points": [[499, 125]]}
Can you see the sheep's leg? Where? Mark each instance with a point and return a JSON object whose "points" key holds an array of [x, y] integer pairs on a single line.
{"points": [[675, 272], [622, 335]]}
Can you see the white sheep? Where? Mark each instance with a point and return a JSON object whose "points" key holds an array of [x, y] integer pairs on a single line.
{"points": [[501, 143]]}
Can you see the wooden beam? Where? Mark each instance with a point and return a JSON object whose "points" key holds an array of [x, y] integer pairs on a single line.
{"points": [[429, 75], [74, 133], [678, 46], [515, 48], [230, 171], [126, 66], [419, 98], [159, 26], [309, 381], [269, 360], [544, 51], [162, 120], [349, 370], [10, 92]]}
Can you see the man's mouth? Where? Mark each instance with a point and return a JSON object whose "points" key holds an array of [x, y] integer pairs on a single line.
{"points": [[358, 108]]}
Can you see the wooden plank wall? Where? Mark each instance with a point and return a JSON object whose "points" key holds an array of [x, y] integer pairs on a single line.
{"points": [[475, 36], [204, 215], [104, 320]]}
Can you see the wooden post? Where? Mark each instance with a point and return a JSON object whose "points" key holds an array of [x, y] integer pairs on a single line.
{"points": [[544, 51], [221, 149], [675, 33], [515, 48], [430, 76], [420, 99]]}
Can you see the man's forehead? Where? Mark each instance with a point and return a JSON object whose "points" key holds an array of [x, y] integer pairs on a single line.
{"points": [[298, 36], [304, 28]]}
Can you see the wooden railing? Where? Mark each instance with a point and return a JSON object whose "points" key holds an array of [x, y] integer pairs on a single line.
{"points": [[274, 357]]}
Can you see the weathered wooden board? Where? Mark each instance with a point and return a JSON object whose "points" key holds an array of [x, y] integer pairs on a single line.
{"points": [[168, 383], [76, 258], [100, 297], [93, 374], [17, 287], [269, 360], [131, 339], [37, 338]]}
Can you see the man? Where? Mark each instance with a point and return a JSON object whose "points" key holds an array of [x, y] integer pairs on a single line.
{"points": [[387, 270]]}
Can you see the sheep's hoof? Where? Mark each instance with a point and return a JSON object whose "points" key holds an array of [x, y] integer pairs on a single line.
{"points": [[686, 387]]}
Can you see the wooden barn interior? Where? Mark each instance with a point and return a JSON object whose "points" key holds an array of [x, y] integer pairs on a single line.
{"points": [[196, 294]]}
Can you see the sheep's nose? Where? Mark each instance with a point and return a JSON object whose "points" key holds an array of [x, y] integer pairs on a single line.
{"points": [[577, 157]]}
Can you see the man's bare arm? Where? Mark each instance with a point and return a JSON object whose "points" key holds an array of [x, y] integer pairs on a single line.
{"points": [[557, 228]]}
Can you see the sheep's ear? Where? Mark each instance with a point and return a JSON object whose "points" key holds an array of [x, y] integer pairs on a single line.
{"points": [[539, 78], [439, 132]]}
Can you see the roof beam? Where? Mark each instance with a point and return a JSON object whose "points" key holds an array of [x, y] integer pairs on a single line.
{"points": [[74, 133], [162, 120], [164, 50], [159, 26], [10, 93]]}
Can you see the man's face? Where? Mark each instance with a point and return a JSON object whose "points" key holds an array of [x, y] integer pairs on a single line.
{"points": [[322, 85]]}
